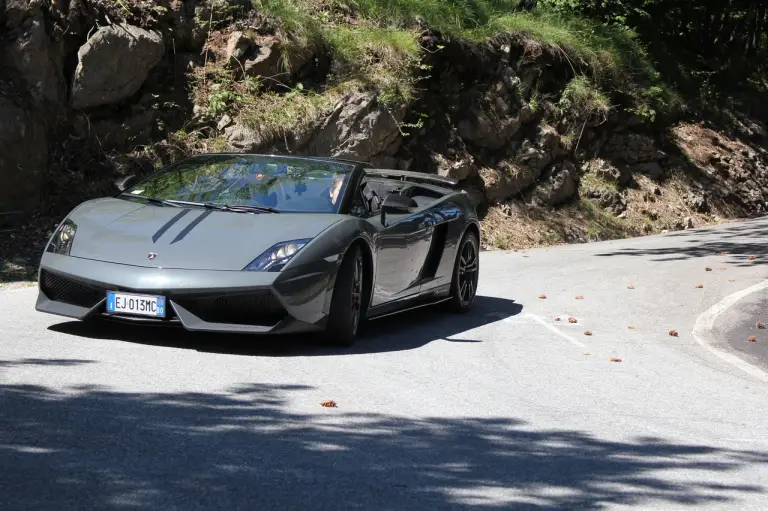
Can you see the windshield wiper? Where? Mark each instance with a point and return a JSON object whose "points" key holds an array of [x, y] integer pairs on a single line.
{"points": [[153, 200], [239, 208]]}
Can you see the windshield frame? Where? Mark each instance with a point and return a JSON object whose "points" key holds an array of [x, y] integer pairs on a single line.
{"points": [[350, 168]]}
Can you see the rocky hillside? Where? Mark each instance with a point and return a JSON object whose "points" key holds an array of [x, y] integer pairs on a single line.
{"points": [[558, 136]]}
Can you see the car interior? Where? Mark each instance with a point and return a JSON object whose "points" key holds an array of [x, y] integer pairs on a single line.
{"points": [[423, 195]]}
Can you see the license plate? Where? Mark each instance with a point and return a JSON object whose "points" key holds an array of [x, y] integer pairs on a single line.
{"points": [[130, 303]]}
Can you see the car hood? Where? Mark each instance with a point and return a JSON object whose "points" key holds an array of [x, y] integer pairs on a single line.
{"points": [[126, 232]]}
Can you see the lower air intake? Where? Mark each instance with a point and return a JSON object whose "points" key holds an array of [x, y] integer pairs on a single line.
{"points": [[259, 308], [66, 290]]}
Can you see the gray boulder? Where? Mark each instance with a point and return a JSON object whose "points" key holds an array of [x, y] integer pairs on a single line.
{"points": [[359, 128], [533, 156], [507, 180], [30, 51], [459, 169], [266, 61], [561, 185], [114, 64]]}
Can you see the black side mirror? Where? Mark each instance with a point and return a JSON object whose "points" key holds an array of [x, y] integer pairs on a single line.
{"points": [[124, 183], [398, 205]]}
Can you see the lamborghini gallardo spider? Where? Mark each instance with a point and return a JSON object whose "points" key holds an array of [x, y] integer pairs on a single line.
{"points": [[264, 244]]}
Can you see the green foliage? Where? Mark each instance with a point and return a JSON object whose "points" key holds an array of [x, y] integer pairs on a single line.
{"points": [[710, 49], [581, 100], [278, 115]]}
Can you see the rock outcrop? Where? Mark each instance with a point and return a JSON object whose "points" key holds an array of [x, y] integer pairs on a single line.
{"points": [[361, 129], [483, 115], [113, 65]]}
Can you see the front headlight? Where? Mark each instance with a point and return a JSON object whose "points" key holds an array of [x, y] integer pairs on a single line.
{"points": [[61, 241], [277, 256]]}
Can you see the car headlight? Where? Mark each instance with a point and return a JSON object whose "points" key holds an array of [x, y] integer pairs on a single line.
{"points": [[277, 256], [61, 241]]}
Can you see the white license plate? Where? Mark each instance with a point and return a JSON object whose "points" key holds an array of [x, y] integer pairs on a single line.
{"points": [[142, 305]]}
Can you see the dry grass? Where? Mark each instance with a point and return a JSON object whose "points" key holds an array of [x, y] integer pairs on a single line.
{"points": [[516, 226]]}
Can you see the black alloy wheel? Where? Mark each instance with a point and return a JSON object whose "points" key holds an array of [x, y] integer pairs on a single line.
{"points": [[466, 274], [347, 302]]}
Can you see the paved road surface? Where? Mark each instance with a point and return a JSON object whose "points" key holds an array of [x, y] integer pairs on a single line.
{"points": [[504, 408], [738, 329]]}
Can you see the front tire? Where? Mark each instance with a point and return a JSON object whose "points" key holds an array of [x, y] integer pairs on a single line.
{"points": [[347, 301], [466, 274]]}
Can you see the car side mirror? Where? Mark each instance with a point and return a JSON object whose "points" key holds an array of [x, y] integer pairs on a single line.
{"points": [[124, 183], [397, 204]]}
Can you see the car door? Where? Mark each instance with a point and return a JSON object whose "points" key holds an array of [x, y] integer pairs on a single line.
{"points": [[401, 249]]}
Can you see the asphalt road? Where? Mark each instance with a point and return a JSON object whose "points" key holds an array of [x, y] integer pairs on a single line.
{"points": [[504, 408], [744, 328]]}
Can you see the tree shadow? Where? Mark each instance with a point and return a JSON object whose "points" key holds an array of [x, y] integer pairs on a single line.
{"points": [[406, 331], [98, 449], [743, 244], [51, 362]]}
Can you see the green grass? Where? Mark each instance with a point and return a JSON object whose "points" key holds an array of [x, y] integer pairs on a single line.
{"points": [[277, 115], [376, 43], [592, 181], [602, 225], [613, 59]]}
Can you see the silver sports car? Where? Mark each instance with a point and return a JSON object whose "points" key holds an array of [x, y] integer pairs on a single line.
{"points": [[264, 244]]}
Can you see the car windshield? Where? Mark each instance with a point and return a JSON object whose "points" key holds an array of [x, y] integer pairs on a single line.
{"points": [[282, 183]]}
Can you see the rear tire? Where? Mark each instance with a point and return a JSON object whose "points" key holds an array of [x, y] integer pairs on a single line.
{"points": [[347, 301], [466, 274]]}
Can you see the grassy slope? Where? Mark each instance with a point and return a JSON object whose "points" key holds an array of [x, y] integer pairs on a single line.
{"points": [[375, 43]]}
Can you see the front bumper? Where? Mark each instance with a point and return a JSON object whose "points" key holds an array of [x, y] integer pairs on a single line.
{"points": [[295, 300]]}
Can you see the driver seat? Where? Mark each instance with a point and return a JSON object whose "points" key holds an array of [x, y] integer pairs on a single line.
{"points": [[374, 202]]}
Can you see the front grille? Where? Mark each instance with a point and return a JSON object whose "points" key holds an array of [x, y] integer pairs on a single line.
{"points": [[259, 308], [66, 290]]}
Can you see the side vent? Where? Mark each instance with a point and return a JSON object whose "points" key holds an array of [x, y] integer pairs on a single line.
{"points": [[435, 254]]}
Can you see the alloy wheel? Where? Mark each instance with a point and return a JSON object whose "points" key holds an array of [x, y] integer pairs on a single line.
{"points": [[468, 272]]}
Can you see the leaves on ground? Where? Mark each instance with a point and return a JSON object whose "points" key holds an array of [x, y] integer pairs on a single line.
{"points": [[674, 333], [587, 333], [614, 359], [573, 320], [329, 404], [752, 339]]}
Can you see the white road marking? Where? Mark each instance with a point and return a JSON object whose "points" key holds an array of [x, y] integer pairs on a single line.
{"points": [[705, 323], [543, 322]]}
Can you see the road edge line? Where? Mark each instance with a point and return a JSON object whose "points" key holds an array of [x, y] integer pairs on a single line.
{"points": [[552, 328], [705, 322]]}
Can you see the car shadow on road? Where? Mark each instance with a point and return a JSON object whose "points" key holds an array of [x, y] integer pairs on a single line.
{"points": [[245, 448], [405, 331], [743, 244]]}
